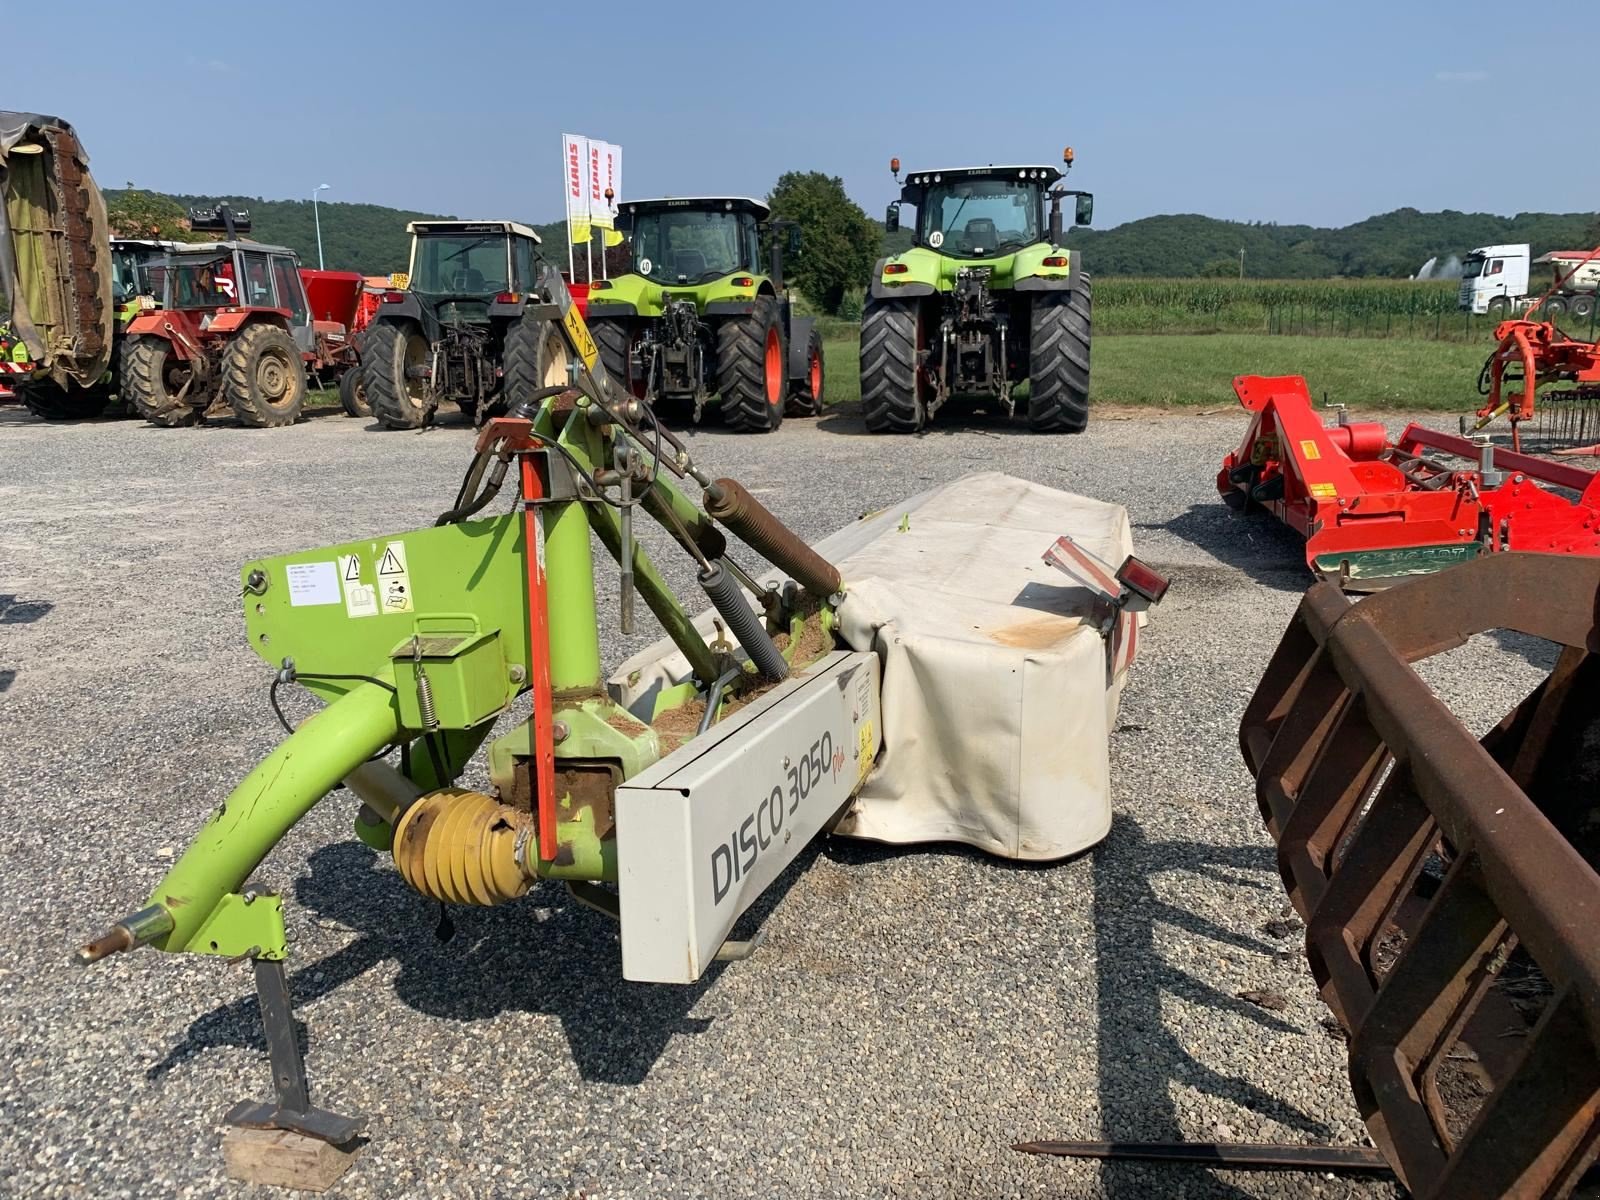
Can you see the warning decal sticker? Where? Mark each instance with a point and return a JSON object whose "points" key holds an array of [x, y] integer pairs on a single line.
{"points": [[360, 599], [394, 581]]}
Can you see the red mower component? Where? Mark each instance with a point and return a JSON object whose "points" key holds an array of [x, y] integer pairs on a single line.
{"points": [[1373, 511], [1543, 355], [10, 375]]}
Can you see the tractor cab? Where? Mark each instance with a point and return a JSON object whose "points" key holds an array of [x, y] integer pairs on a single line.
{"points": [[131, 277], [459, 268], [986, 212], [233, 275], [691, 240]]}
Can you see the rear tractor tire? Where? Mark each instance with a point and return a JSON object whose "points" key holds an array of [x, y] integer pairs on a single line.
{"points": [[753, 369], [535, 357], [1058, 360], [264, 377], [890, 388], [154, 381], [805, 393], [614, 338], [49, 401], [353, 393], [398, 401]]}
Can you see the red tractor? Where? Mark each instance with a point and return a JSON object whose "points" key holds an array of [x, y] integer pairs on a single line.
{"points": [[237, 332]]}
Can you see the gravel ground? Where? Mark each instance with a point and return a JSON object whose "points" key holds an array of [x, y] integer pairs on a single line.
{"points": [[911, 1013]]}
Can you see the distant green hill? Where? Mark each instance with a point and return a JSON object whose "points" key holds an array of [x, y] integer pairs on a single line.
{"points": [[371, 238], [1394, 244]]}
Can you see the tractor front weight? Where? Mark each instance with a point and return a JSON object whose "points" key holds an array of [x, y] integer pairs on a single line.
{"points": [[419, 642]]}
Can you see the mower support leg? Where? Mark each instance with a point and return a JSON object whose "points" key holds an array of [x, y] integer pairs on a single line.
{"points": [[291, 1107]]}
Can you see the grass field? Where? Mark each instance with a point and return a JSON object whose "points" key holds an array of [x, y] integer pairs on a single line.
{"points": [[1364, 373]]}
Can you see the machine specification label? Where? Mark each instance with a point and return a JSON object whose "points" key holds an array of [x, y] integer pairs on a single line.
{"points": [[312, 583], [360, 599], [394, 581]]}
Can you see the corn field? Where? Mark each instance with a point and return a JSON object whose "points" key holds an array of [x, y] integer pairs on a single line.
{"points": [[1323, 307], [1372, 308]]}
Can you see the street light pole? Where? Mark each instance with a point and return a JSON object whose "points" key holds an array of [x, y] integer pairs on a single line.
{"points": [[316, 214]]}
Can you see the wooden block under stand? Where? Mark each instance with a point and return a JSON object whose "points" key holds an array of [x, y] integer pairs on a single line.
{"points": [[284, 1159]]}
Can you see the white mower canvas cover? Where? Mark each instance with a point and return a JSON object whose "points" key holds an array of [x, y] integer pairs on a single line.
{"points": [[999, 687]]}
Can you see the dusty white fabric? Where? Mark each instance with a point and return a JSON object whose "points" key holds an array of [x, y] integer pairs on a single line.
{"points": [[997, 696]]}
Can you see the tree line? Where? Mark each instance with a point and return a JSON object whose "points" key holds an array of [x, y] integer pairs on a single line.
{"points": [[840, 242]]}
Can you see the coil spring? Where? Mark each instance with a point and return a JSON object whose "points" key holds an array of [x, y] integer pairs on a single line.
{"points": [[729, 502]]}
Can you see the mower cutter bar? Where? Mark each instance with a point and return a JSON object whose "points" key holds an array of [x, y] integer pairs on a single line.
{"points": [[1448, 884]]}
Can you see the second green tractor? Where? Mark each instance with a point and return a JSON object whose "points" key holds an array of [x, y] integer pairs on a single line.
{"points": [[702, 312], [986, 297]]}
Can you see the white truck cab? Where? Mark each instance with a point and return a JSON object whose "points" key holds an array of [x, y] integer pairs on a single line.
{"points": [[1494, 276]]}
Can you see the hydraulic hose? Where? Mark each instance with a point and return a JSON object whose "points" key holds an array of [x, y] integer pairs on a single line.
{"points": [[728, 599], [469, 500], [729, 502]]}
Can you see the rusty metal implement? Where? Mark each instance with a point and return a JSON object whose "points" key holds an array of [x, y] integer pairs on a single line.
{"points": [[1448, 883]]}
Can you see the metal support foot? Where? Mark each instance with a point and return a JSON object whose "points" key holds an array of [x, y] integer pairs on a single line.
{"points": [[292, 1108]]}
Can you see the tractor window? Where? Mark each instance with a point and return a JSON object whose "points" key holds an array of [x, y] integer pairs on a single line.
{"points": [[208, 283], [522, 255], [291, 292], [128, 276], [978, 218], [688, 245], [473, 264], [1473, 267], [752, 245], [257, 281]]}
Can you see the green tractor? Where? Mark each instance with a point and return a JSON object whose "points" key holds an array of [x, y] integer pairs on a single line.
{"points": [[462, 330], [697, 315], [986, 297]]}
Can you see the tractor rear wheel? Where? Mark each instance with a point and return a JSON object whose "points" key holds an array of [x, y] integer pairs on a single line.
{"points": [[49, 401], [805, 393], [157, 382], [535, 357], [264, 377], [399, 401], [353, 393], [1058, 360], [753, 369], [890, 402], [614, 338]]}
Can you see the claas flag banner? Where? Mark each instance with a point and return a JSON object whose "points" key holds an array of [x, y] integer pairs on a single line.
{"points": [[605, 188], [575, 170]]}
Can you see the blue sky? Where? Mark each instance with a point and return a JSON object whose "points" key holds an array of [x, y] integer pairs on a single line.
{"points": [[1295, 112]]}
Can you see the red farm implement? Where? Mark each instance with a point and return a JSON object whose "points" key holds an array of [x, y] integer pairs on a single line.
{"points": [[1535, 354], [1373, 510]]}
